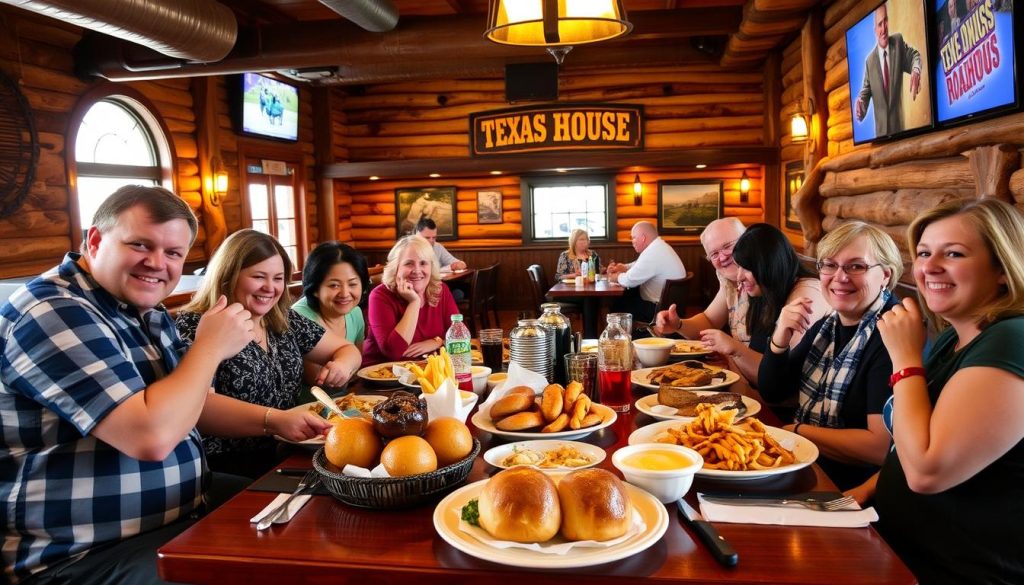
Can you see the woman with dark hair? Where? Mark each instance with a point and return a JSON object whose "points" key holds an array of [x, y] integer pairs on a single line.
{"points": [[335, 282], [772, 276], [251, 268]]}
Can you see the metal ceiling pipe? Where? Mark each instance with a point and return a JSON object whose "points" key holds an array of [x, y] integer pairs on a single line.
{"points": [[371, 15], [193, 30]]}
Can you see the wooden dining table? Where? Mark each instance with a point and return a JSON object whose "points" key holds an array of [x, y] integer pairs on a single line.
{"points": [[592, 294], [328, 541]]}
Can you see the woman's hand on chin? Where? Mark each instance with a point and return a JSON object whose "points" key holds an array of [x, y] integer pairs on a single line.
{"points": [[405, 290]]}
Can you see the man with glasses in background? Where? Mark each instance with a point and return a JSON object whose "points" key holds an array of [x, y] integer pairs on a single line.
{"points": [[729, 307]]}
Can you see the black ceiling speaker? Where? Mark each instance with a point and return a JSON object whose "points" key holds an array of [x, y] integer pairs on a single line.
{"points": [[531, 82]]}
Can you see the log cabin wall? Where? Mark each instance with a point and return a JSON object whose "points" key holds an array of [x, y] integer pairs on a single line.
{"points": [[36, 52], [684, 107], [888, 184]]}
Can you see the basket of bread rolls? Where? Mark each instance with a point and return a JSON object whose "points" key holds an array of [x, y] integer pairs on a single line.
{"points": [[557, 409], [424, 458]]}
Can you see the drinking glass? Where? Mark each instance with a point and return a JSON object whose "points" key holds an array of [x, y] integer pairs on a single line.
{"points": [[490, 347], [582, 368]]}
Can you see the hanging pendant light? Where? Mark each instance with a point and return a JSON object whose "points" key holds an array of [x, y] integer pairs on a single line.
{"points": [[555, 23]]}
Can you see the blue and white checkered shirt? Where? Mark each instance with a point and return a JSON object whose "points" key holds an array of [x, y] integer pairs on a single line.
{"points": [[69, 354]]}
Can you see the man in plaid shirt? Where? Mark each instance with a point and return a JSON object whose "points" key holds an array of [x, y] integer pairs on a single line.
{"points": [[99, 456]]}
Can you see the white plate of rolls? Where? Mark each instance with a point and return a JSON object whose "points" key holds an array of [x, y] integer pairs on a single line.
{"points": [[557, 413], [573, 523]]}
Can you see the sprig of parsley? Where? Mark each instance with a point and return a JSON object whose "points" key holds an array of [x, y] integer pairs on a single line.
{"points": [[471, 512]]}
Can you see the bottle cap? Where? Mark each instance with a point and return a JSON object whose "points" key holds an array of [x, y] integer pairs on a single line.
{"points": [[456, 317]]}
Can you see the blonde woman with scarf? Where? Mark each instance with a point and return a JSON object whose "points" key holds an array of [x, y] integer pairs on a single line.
{"points": [[840, 369]]}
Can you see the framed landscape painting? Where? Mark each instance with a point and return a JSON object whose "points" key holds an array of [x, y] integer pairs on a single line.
{"points": [[436, 203], [488, 206], [687, 207]]}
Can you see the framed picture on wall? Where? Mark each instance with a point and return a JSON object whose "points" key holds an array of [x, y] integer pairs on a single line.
{"points": [[436, 203], [687, 207], [488, 206], [890, 80], [794, 180]]}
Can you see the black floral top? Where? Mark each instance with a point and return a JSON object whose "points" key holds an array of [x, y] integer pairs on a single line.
{"points": [[567, 266], [259, 377]]}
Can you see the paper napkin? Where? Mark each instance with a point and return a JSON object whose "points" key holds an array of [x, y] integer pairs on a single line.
{"points": [[517, 376], [850, 517], [449, 401]]}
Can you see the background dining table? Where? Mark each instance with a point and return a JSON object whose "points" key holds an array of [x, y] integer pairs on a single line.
{"points": [[592, 293], [331, 542]]}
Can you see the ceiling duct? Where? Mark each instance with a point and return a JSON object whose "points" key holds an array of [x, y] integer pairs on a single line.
{"points": [[371, 15], [193, 30]]}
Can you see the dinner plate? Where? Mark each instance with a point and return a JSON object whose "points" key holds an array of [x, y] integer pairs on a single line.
{"points": [[364, 373], [803, 450], [448, 511], [484, 423], [317, 442], [647, 403], [639, 377], [496, 455], [688, 348]]}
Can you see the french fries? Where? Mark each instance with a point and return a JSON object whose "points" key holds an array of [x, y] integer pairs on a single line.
{"points": [[724, 445], [438, 369]]}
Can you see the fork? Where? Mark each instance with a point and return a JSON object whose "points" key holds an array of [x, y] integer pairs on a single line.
{"points": [[309, 481], [833, 505]]}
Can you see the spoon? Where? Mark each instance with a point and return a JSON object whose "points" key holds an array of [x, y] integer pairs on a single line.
{"points": [[326, 400]]}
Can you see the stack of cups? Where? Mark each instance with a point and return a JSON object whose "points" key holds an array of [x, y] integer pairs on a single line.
{"points": [[530, 346]]}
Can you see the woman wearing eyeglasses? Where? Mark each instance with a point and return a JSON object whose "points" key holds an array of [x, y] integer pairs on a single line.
{"points": [[840, 369]]}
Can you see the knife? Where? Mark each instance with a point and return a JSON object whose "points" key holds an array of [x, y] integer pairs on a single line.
{"points": [[720, 548]]}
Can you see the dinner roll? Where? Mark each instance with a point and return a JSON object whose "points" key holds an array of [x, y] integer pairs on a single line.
{"points": [[511, 404], [521, 421], [520, 504], [595, 505], [551, 402]]}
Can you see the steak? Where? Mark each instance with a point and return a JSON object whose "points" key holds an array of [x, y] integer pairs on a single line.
{"points": [[686, 401]]}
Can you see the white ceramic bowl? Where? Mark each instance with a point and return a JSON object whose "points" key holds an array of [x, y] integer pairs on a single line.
{"points": [[653, 351], [480, 374], [667, 485]]}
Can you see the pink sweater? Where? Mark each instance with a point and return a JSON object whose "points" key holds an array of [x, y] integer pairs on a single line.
{"points": [[385, 310]]}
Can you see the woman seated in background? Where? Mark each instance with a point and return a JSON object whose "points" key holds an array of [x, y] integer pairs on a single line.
{"points": [[840, 369], [569, 261], [334, 283], [253, 269], [410, 311], [771, 275], [949, 493]]}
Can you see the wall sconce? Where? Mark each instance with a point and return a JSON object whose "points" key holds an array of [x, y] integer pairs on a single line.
{"points": [[744, 188], [798, 128], [220, 184], [638, 191]]}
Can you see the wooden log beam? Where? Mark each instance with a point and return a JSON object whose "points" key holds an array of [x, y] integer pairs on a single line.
{"points": [[992, 167], [890, 207], [949, 173], [813, 80]]}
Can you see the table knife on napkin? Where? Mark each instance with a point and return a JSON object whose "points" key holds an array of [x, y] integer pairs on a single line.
{"points": [[720, 548]]}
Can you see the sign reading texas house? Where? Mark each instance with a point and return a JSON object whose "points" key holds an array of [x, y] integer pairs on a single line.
{"points": [[557, 127]]}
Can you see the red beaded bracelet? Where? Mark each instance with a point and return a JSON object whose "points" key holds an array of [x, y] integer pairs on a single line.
{"points": [[905, 373]]}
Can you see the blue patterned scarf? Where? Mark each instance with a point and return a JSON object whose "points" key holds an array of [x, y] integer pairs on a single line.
{"points": [[826, 375]]}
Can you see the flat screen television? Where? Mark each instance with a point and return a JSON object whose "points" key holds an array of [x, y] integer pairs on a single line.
{"points": [[265, 107], [893, 99], [975, 58]]}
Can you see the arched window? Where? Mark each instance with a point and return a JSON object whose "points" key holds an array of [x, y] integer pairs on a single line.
{"points": [[118, 142]]}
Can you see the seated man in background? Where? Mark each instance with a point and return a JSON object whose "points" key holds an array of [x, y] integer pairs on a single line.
{"points": [[729, 307], [449, 263], [101, 459], [645, 277], [428, 229]]}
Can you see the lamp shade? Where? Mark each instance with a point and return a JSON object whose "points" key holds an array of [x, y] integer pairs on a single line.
{"points": [[553, 23], [638, 190], [798, 128]]}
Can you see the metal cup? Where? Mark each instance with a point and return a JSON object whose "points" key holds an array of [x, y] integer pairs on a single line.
{"points": [[582, 368]]}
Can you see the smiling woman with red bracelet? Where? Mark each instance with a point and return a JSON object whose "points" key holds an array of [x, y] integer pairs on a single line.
{"points": [[948, 495]]}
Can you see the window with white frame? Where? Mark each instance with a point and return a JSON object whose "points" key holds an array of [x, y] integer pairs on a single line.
{"points": [[116, 145], [555, 206]]}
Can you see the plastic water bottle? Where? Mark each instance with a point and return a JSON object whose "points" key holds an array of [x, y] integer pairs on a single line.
{"points": [[456, 341], [585, 269], [592, 275]]}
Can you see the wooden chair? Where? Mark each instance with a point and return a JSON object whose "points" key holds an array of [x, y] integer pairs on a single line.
{"points": [[540, 287], [470, 305], [675, 291], [376, 274], [489, 294]]}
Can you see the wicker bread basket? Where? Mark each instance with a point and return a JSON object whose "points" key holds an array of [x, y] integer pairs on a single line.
{"points": [[393, 492]]}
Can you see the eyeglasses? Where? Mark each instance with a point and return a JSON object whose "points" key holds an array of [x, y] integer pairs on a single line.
{"points": [[853, 268], [722, 252]]}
